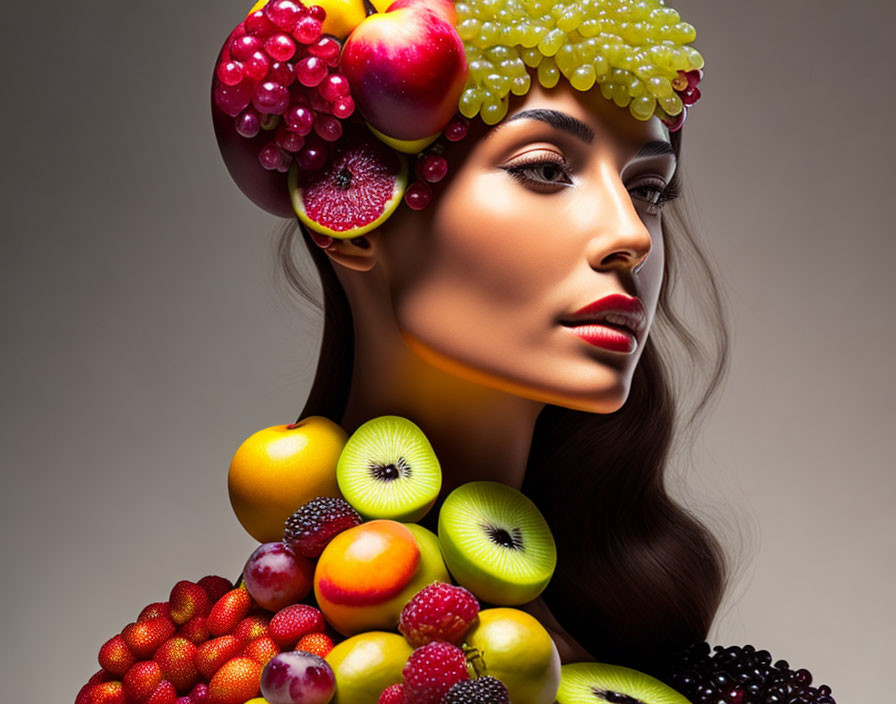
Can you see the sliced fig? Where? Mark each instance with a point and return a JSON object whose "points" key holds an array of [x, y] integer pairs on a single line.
{"points": [[357, 189]]}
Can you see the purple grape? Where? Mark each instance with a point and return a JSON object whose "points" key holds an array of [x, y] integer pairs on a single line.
{"points": [[243, 47], [311, 70], [271, 97], [234, 99], [272, 157], [299, 118], [297, 677], [283, 13], [282, 72], [344, 107], [258, 25], [327, 48], [736, 675], [307, 30], [327, 128], [280, 47], [230, 72], [256, 66], [247, 124], [288, 140]]}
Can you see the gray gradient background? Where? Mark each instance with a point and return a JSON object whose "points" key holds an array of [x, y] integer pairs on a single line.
{"points": [[145, 335]]}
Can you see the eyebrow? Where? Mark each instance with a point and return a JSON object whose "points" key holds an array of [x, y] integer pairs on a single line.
{"points": [[567, 123], [558, 120]]}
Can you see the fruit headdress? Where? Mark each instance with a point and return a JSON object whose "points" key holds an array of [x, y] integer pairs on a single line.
{"points": [[317, 107]]}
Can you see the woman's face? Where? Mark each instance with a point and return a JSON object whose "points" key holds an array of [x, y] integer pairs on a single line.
{"points": [[546, 213]]}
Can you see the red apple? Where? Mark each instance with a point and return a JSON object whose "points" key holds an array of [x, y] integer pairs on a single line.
{"points": [[406, 68]]}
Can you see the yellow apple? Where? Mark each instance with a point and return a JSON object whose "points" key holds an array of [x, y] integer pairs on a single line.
{"points": [[366, 664], [278, 469], [517, 650]]}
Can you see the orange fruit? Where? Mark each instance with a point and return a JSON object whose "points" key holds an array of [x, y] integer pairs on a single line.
{"points": [[278, 469]]}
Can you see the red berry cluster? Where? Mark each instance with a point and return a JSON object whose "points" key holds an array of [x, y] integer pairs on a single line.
{"points": [[278, 72], [207, 644], [686, 88], [435, 621], [431, 166]]}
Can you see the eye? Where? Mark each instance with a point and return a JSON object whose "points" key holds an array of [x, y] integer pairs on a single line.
{"points": [[541, 172], [655, 193]]}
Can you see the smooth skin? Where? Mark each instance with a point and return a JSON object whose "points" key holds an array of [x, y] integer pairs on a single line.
{"points": [[457, 307]]}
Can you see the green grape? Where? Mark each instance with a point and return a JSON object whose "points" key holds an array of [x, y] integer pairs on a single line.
{"points": [[621, 96], [640, 11], [570, 19], [499, 53], [695, 58], [672, 105], [586, 51], [589, 28], [480, 69], [659, 87], [497, 83], [682, 33], [470, 102], [608, 89], [548, 73], [513, 67], [468, 29], [665, 15], [566, 59], [583, 77], [601, 65], [488, 32], [531, 57], [529, 35], [463, 11], [520, 84], [551, 42], [637, 88], [494, 111]]}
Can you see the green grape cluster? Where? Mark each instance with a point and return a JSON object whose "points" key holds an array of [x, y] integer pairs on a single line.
{"points": [[632, 49]]}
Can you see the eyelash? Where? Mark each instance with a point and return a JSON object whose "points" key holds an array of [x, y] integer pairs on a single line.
{"points": [[519, 171]]}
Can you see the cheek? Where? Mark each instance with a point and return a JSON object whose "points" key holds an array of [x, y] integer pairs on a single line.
{"points": [[490, 261]]}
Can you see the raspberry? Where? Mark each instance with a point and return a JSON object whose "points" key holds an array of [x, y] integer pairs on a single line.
{"points": [[432, 670], [393, 694], [439, 611], [316, 523], [483, 690]]}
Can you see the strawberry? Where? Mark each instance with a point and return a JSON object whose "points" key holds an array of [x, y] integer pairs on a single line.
{"points": [[177, 658], [237, 681], [187, 600], [195, 630], [228, 611], [115, 656], [215, 587], [317, 643], [252, 627], [159, 608], [141, 680], [164, 694], [103, 693], [144, 637], [210, 656], [261, 650], [291, 623]]}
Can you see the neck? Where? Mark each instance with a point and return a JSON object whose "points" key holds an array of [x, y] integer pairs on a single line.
{"points": [[477, 432]]}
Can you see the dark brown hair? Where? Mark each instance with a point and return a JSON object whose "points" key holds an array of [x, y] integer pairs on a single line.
{"points": [[637, 575]]}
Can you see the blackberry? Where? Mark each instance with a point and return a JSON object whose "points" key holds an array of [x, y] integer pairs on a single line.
{"points": [[316, 523], [740, 675], [482, 690]]}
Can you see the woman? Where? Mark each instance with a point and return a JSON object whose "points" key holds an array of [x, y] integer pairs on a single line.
{"points": [[460, 316]]}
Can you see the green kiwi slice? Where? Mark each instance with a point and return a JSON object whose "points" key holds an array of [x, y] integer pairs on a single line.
{"points": [[496, 543], [388, 469], [597, 683]]}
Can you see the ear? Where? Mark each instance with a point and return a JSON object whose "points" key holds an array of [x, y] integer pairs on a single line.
{"points": [[358, 253]]}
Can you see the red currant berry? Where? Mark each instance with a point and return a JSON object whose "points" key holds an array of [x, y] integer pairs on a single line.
{"points": [[327, 48], [243, 47], [311, 71], [307, 30], [432, 168], [344, 107], [260, 26], [418, 195], [280, 47], [247, 124], [456, 129], [299, 118]]}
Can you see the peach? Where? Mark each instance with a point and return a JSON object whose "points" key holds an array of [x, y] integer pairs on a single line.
{"points": [[366, 575]]}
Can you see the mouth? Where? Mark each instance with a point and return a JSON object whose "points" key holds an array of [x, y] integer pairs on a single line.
{"points": [[625, 313], [614, 322]]}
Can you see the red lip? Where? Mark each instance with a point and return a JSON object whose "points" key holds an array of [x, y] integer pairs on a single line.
{"points": [[614, 322]]}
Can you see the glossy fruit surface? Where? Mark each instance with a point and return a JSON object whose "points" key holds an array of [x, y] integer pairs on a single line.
{"points": [[275, 577], [517, 650], [366, 575], [366, 664], [278, 469]]}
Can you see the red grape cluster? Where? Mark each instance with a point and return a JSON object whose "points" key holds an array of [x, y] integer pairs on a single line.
{"points": [[741, 675], [431, 166], [279, 72]]}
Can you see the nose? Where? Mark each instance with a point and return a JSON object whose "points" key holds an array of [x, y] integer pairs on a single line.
{"points": [[622, 240]]}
